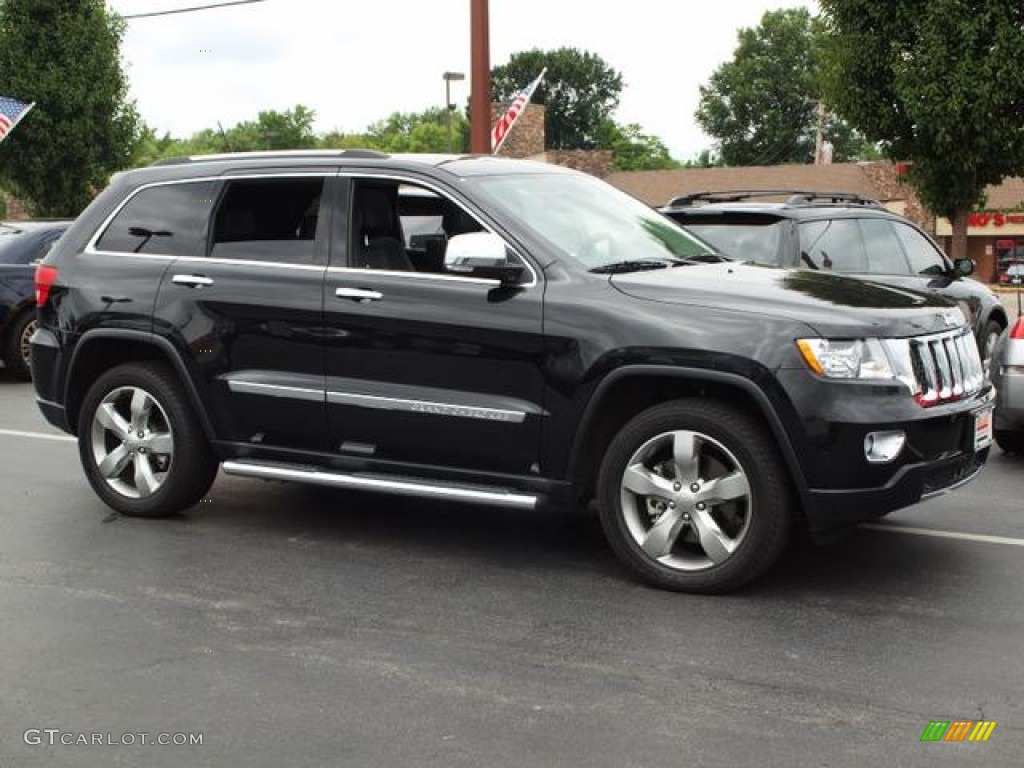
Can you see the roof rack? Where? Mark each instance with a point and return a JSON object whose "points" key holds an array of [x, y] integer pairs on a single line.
{"points": [[355, 154], [793, 197]]}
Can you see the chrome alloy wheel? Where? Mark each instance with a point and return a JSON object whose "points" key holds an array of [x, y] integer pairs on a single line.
{"points": [[686, 500], [132, 442], [23, 343]]}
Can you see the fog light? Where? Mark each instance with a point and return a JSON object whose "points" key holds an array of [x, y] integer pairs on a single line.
{"points": [[883, 447]]}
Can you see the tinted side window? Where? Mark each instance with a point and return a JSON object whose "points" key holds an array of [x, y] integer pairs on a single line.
{"points": [[885, 254], [268, 220], [925, 258], [834, 245], [398, 226], [170, 219]]}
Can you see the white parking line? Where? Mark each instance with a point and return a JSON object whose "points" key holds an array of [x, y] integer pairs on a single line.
{"points": [[36, 435], [946, 534]]}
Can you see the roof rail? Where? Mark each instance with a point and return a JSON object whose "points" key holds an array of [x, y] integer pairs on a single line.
{"points": [[354, 154], [808, 198], [793, 197]]}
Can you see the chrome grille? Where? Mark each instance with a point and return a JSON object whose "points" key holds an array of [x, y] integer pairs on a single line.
{"points": [[946, 366]]}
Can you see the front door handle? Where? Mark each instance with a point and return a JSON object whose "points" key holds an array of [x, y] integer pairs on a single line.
{"points": [[358, 294], [195, 281]]}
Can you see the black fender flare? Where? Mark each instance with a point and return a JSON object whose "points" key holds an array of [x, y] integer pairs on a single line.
{"points": [[165, 347], [764, 404]]}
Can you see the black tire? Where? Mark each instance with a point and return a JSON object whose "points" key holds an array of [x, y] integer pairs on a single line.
{"points": [[1010, 441], [171, 444], [17, 365], [757, 525], [987, 342]]}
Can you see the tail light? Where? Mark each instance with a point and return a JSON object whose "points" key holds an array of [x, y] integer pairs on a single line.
{"points": [[1017, 332], [45, 278]]}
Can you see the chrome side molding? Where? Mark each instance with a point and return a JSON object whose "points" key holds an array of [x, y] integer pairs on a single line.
{"points": [[426, 406], [404, 487]]}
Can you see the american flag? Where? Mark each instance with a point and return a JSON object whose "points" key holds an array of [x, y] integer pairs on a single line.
{"points": [[11, 111], [504, 124]]}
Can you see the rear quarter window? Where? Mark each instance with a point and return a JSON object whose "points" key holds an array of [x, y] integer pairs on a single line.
{"points": [[169, 219]]}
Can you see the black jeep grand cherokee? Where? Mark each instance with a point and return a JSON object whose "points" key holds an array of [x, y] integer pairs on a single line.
{"points": [[492, 331]]}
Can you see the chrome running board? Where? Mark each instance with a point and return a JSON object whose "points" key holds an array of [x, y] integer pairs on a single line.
{"points": [[430, 489]]}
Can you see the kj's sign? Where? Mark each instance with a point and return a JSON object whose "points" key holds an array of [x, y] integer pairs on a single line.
{"points": [[995, 218]]}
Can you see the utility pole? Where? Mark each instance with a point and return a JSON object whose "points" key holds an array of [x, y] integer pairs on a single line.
{"points": [[819, 141], [480, 74]]}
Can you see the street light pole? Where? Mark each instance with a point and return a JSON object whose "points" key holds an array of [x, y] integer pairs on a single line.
{"points": [[449, 107]]}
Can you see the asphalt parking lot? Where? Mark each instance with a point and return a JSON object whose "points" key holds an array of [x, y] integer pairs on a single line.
{"points": [[287, 625]]}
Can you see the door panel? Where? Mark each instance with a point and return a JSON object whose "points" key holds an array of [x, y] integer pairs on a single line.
{"points": [[436, 371], [252, 335]]}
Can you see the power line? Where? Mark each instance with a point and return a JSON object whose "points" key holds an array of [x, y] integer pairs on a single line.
{"points": [[190, 9]]}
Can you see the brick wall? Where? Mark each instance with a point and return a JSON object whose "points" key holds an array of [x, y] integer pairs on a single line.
{"points": [[596, 162], [890, 187], [15, 209], [526, 139]]}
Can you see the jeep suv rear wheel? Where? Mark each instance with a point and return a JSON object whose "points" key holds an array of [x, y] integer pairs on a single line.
{"points": [[142, 448], [694, 497]]}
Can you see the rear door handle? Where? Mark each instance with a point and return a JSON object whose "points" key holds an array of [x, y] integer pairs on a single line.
{"points": [[358, 294], [195, 281]]}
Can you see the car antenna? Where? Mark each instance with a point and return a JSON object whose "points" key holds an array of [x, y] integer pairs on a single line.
{"points": [[224, 136]]}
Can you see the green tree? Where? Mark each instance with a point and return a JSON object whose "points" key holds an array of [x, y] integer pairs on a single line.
{"points": [[292, 129], [938, 83], [65, 56], [580, 92], [149, 147], [762, 106], [635, 150], [419, 132]]}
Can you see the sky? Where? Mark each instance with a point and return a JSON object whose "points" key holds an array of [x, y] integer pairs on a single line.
{"points": [[354, 63]]}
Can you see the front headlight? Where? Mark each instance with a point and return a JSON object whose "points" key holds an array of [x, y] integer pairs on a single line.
{"points": [[846, 358]]}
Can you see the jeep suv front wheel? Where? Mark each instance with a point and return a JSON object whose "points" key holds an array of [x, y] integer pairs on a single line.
{"points": [[694, 497], [142, 448]]}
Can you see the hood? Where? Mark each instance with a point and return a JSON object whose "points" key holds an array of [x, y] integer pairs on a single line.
{"points": [[831, 304]]}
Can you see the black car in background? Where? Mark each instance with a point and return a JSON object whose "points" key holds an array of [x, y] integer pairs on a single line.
{"points": [[839, 232], [21, 244]]}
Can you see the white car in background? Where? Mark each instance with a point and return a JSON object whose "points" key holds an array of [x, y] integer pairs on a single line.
{"points": [[1008, 377]]}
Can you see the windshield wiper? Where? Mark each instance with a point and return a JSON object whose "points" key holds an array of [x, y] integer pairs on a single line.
{"points": [[635, 265]]}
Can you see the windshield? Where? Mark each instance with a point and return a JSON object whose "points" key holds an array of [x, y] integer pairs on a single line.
{"points": [[756, 241], [589, 222]]}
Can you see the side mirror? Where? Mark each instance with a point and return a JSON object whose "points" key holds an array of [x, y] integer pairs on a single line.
{"points": [[963, 267], [481, 254]]}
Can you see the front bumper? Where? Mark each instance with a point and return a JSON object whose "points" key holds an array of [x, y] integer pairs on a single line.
{"points": [[842, 488], [831, 510]]}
